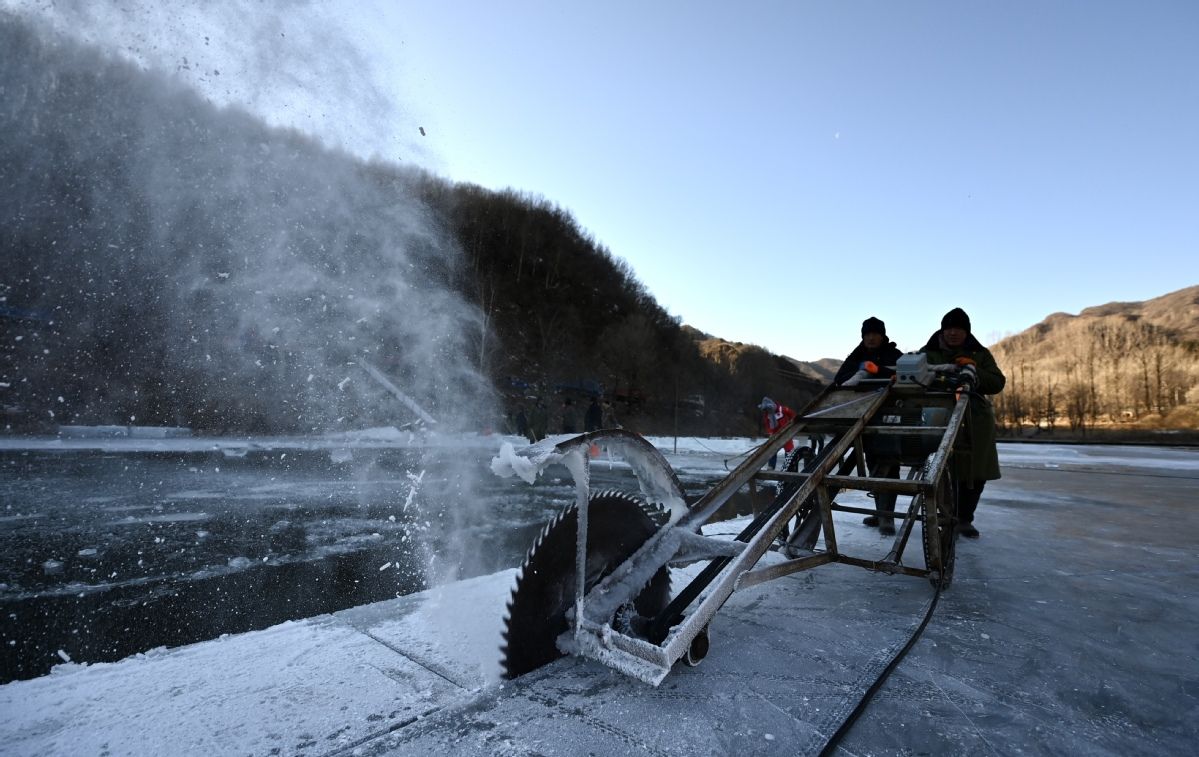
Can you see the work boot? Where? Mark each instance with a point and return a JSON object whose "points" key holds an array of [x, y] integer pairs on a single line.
{"points": [[886, 503], [968, 530], [870, 520]]}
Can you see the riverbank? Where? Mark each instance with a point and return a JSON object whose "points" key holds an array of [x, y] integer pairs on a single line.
{"points": [[1103, 435]]}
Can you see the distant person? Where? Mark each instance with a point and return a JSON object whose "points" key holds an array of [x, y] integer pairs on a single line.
{"points": [[976, 459], [593, 420], [569, 419], [538, 422], [874, 349], [774, 417], [522, 422], [874, 357]]}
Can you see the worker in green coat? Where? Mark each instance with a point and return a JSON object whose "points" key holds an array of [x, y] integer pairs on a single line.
{"points": [[976, 460]]}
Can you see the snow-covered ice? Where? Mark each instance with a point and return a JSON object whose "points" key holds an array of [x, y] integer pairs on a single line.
{"points": [[1068, 629]]}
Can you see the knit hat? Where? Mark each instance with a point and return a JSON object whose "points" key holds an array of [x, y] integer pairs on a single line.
{"points": [[873, 325], [766, 404], [956, 318]]}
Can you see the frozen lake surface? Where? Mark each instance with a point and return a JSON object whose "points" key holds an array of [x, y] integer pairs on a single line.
{"points": [[112, 546], [1069, 626]]}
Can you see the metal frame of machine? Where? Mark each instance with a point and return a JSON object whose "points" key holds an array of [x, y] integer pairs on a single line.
{"points": [[904, 423]]}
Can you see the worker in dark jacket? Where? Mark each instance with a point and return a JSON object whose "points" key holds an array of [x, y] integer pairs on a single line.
{"points": [[875, 349], [976, 460], [874, 357]]}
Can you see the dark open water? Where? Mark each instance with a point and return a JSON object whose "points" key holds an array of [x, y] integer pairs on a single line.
{"points": [[103, 555]]}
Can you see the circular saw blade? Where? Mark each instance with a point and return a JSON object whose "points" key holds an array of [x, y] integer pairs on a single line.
{"points": [[617, 525]]}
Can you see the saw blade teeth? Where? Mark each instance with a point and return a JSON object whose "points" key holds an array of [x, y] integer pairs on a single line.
{"points": [[524, 566], [652, 509], [543, 590], [546, 530]]}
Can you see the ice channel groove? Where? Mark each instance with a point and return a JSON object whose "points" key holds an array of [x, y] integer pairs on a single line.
{"points": [[432, 667], [629, 738], [348, 748]]}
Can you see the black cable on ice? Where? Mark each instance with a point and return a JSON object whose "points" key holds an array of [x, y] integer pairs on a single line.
{"points": [[860, 707]]}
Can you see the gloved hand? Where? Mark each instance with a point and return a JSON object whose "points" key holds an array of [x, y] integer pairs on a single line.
{"points": [[967, 374], [963, 360], [855, 379]]}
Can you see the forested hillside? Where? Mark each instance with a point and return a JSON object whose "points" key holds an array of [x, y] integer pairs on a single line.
{"points": [[562, 317], [1119, 363], [169, 262]]}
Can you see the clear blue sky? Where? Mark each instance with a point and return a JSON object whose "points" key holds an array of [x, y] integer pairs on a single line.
{"points": [[773, 172], [776, 172]]}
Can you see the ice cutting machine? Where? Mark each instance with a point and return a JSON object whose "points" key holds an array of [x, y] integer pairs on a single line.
{"points": [[597, 581]]}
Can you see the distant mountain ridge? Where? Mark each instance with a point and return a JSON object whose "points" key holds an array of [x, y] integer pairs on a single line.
{"points": [[1172, 317], [1117, 362], [822, 370], [1176, 312]]}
